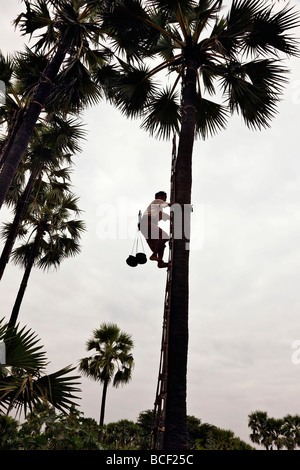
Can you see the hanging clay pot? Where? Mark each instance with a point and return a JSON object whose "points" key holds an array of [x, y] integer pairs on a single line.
{"points": [[141, 258], [132, 261]]}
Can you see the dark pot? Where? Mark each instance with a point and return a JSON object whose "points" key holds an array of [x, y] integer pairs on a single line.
{"points": [[141, 258], [132, 261]]}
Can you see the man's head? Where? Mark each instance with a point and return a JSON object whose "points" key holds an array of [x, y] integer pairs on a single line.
{"points": [[161, 195]]}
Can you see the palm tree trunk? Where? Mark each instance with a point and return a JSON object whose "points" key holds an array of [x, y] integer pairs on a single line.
{"points": [[12, 132], [24, 282], [23, 136], [20, 211], [104, 391], [176, 435]]}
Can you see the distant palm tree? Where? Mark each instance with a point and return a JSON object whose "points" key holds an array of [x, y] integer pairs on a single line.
{"points": [[291, 431], [232, 55], [56, 237], [112, 360], [277, 427], [23, 381], [262, 429]]}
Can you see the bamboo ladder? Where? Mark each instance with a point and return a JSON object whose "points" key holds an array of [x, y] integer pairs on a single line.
{"points": [[161, 391]]}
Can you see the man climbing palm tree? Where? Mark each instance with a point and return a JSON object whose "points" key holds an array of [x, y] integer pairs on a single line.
{"points": [[155, 236]]}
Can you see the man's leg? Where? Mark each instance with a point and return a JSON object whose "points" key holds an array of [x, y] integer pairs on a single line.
{"points": [[156, 239], [154, 242], [161, 249], [161, 245], [160, 253]]}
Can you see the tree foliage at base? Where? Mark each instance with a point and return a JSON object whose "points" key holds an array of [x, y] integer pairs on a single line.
{"points": [[44, 429]]}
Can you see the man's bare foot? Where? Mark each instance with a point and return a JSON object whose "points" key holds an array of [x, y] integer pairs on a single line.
{"points": [[154, 258], [161, 264]]}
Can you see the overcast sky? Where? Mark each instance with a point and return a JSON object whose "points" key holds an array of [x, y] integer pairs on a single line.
{"points": [[245, 264]]}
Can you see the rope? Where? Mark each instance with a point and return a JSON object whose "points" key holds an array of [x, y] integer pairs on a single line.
{"points": [[134, 243], [37, 102], [138, 238], [46, 79]]}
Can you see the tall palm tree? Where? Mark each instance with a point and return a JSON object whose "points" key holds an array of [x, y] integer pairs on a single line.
{"points": [[52, 146], [23, 381], [55, 139], [56, 237], [112, 360], [235, 56], [71, 33]]}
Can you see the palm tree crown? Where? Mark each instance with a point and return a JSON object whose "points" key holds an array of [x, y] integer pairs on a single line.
{"points": [[175, 34]]}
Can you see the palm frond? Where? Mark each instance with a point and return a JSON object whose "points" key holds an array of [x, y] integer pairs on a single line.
{"points": [[97, 57], [6, 230], [211, 117], [241, 16], [133, 35], [70, 202], [74, 89], [266, 73], [62, 173], [22, 348], [208, 76], [25, 392], [107, 76], [17, 185], [164, 48], [254, 89], [133, 90], [51, 259], [75, 228], [108, 332], [63, 134], [37, 16], [23, 386], [268, 34], [256, 105], [124, 374], [55, 252], [6, 69], [21, 254], [170, 6], [58, 388], [28, 68], [163, 115]]}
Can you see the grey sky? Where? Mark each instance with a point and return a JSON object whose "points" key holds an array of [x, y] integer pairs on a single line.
{"points": [[244, 299]]}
